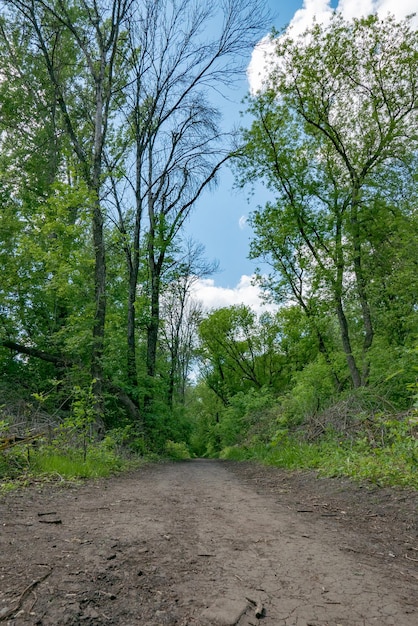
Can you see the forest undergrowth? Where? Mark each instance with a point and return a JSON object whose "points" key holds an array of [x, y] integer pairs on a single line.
{"points": [[343, 440], [350, 438]]}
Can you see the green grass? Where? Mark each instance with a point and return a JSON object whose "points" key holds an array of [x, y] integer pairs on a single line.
{"points": [[17, 469], [395, 464], [74, 466]]}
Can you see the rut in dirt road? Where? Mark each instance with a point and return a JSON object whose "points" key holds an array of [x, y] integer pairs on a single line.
{"points": [[187, 544]]}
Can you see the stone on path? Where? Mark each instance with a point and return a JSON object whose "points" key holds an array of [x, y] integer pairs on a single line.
{"points": [[224, 612]]}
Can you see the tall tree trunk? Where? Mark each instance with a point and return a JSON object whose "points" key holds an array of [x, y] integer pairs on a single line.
{"points": [[100, 124], [133, 259], [174, 353], [156, 259], [152, 334], [362, 294], [130, 335], [100, 63], [154, 269], [342, 320], [346, 342], [100, 307]]}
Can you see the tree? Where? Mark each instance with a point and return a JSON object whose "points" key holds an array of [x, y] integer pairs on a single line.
{"points": [[173, 146], [91, 34], [44, 220], [181, 315], [335, 127], [109, 135], [239, 352]]}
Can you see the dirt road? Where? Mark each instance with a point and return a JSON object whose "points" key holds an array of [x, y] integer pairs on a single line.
{"points": [[206, 543]]}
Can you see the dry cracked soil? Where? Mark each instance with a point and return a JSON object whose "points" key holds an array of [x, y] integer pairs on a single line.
{"points": [[206, 543]]}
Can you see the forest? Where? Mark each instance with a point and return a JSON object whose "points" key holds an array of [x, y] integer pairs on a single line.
{"points": [[110, 132]]}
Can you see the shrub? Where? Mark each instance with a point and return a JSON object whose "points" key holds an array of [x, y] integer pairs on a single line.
{"points": [[177, 450]]}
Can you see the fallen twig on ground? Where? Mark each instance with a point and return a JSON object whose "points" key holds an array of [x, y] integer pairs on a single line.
{"points": [[23, 596]]}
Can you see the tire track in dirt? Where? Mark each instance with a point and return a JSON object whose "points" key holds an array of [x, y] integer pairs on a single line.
{"points": [[188, 544]]}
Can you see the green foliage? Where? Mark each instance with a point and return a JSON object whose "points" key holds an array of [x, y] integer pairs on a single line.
{"points": [[334, 138], [14, 462], [413, 386], [240, 351], [237, 453], [394, 462], [341, 169], [248, 416], [177, 450], [98, 462], [289, 453], [386, 455], [215, 425], [51, 257], [78, 427], [65, 460], [204, 408], [124, 439], [311, 390], [164, 424]]}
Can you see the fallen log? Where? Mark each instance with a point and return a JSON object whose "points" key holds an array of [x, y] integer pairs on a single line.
{"points": [[8, 441]]}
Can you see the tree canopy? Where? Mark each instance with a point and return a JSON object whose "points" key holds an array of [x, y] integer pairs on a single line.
{"points": [[334, 138], [110, 133]]}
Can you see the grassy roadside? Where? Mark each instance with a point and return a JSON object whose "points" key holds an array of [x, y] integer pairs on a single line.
{"points": [[62, 462], [394, 464], [386, 453], [22, 467]]}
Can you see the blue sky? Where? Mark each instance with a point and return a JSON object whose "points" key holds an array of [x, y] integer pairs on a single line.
{"points": [[218, 220]]}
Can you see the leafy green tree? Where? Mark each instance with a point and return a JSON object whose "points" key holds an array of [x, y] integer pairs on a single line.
{"points": [[173, 145], [89, 35], [205, 409], [108, 136], [239, 352], [334, 139]]}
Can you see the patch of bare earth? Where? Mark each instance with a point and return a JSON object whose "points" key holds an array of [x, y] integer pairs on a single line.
{"points": [[205, 543]]}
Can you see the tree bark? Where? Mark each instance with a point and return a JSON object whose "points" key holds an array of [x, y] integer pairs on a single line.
{"points": [[362, 294], [345, 338], [154, 323], [342, 320], [57, 360]]}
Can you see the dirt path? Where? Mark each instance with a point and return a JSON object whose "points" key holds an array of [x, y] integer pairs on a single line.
{"points": [[203, 543]]}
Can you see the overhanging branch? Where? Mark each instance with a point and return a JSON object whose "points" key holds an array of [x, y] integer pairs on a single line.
{"points": [[60, 361]]}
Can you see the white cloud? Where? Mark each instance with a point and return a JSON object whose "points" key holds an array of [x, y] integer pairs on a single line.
{"points": [[399, 8], [311, 10], [242, 222], [256, 71], [356, 8], [213, 297], [321, 11]]}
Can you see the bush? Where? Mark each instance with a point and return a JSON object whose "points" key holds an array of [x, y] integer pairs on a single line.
{"points": [[13, 462], [313, 388], [394, 462], [177, 450], [250, 415]]}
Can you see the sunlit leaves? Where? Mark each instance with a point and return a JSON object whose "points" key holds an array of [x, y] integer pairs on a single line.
{"points": [[334, 138]]}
